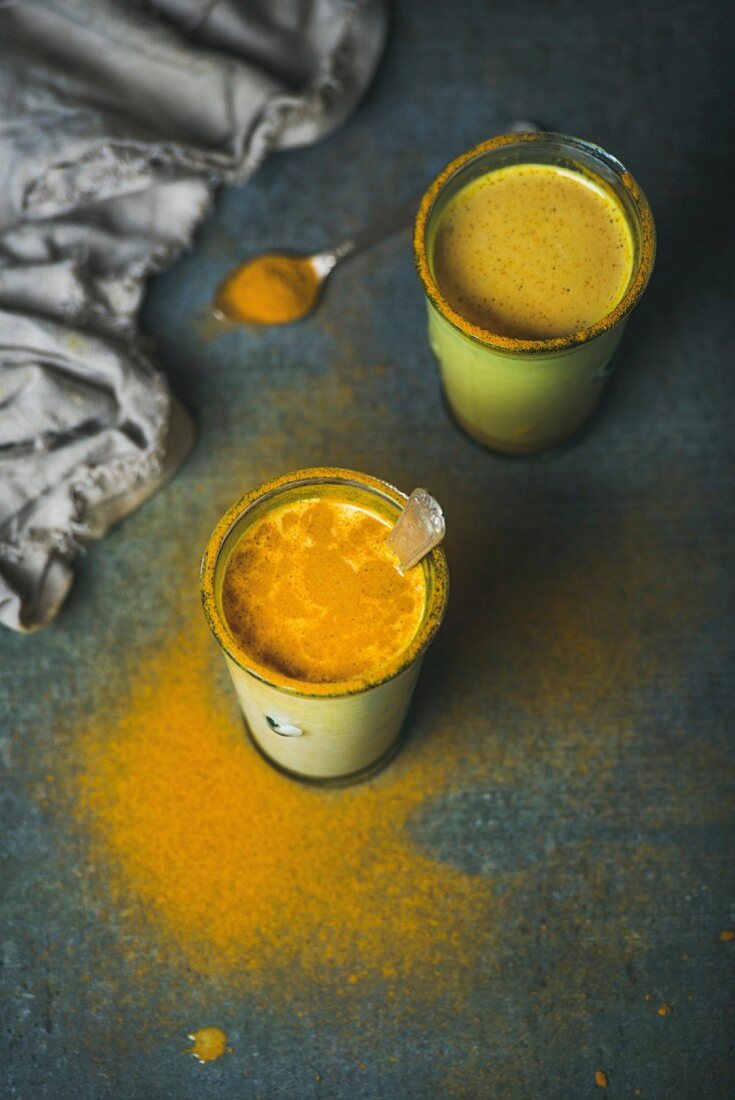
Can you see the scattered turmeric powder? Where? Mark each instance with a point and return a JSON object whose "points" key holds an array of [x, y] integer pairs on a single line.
{"points": [[727, 936], [249, 873], [274, 289], [601, 1079], [215, 865]]}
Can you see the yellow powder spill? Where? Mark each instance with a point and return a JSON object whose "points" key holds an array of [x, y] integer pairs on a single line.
{"points": [[210, 1043], [249, 873], [239, 872], [274, 289], [601, 1079]]}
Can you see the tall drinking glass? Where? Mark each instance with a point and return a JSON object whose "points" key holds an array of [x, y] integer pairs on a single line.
{"points": [[522, 395], [326, 730]]}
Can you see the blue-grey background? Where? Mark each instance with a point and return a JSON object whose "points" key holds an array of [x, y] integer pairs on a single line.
{"points": [[623, 883]]}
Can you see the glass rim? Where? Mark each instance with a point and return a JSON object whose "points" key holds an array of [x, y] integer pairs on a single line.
{"points": [[552, 344], [436, 601]]}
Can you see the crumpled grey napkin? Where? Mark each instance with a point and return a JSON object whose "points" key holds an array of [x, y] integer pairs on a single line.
{"points": [[118, 118]]}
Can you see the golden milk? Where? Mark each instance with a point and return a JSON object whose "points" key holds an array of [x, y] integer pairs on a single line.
{"points": [[532, 251], [312, 592]]}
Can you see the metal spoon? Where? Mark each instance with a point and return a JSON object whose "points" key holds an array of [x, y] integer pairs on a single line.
{"points": [[297, 281]]}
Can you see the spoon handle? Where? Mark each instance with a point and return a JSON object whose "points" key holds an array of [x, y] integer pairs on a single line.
{"points": [[391, 220]]}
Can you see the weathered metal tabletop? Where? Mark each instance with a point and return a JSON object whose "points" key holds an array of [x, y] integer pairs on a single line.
{"points": [[536, 899]]}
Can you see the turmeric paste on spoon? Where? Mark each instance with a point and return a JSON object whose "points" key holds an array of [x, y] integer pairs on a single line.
{"points": [[273, 289]]}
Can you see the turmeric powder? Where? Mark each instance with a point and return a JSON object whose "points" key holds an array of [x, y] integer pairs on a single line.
{"points": [[273, 289], [247, 873]]}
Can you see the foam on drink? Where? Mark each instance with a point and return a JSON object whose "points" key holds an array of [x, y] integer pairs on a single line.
{"points": [[312, 593], [533, 251]]}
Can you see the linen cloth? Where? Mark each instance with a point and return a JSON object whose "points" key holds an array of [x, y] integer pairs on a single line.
{"points": [[118, 118]]}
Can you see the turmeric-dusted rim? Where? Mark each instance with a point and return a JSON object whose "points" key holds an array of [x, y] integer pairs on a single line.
{"points": [[646, 236], [317, 475]]}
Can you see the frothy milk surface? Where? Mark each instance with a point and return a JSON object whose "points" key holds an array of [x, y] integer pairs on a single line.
{"points": [[532, 251], [311, 592]]}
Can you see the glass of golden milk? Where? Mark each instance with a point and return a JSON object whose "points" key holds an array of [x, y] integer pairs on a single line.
{"points": [[322, 633], [533, 248]]}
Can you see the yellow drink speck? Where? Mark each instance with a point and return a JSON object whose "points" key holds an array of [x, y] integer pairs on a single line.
{"points": [[210, 1043]]}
